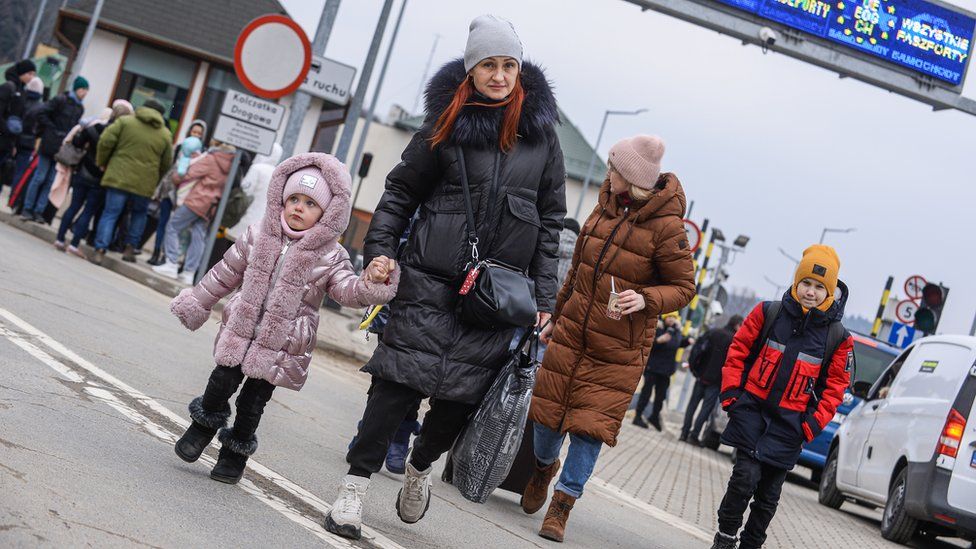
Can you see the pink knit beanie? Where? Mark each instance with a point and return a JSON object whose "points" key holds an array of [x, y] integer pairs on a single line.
{"points": [[310, 182], [638, 159]]}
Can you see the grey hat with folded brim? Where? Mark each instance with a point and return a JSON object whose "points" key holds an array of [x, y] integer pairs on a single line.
{"points": [[491, 36]]}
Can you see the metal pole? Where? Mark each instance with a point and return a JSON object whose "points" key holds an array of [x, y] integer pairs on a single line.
{"points": [[301, 100], [823, 234], [876, 329], [215, 222], [34, 27], [713, 291], [430, 60], [356, 106], [972, 331], [83, 48], [354, 165], [589, 170]]}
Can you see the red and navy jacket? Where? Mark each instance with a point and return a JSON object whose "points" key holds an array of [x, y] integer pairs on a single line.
{"points": [[790, 372]]}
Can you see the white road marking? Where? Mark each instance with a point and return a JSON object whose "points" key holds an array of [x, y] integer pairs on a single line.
{"points": [[616, 493], [106, 396]]}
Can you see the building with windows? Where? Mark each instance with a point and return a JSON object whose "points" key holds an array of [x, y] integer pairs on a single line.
{"points": [[179, 52]]}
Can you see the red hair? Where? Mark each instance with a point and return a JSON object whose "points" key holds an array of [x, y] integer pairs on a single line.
{"points": [[513, 111]]}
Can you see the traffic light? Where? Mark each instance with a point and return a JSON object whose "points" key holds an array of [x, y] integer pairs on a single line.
{"points": [[364, 164], [930, 310]]}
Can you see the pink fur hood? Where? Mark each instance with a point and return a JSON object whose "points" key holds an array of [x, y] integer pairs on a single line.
{"points": [[269, 327]]}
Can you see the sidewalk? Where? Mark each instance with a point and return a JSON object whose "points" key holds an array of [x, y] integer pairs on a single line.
{"points": [[338, 331]]}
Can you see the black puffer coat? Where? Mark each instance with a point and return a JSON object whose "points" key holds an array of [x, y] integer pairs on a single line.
{"points": [[11, 104], [519, 201], [55, 120]]}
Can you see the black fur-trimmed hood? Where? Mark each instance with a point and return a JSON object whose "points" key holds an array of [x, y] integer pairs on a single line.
{"points": [[479, 126]]}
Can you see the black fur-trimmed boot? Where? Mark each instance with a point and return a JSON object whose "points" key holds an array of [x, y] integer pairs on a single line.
{"points": [[232, 457], [202, 430]]}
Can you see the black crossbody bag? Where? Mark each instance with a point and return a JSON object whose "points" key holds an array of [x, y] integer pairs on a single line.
{"points": [[494, 295]]}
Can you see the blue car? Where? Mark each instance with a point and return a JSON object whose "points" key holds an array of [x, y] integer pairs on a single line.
{"points": [[872, 357]]}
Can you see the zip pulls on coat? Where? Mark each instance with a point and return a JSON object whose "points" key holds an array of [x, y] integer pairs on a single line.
{"points": [[274, 279]]}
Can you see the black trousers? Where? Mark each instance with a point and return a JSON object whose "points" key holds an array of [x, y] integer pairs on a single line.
{"points": [[250, 403], [707, 395], [658, 383], [756, 481], [388, 405]]}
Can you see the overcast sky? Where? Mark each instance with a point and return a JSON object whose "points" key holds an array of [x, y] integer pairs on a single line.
{"points": [[765, 145]]}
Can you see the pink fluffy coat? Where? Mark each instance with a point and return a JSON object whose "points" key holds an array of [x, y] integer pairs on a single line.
{"points": [[270, 330]]}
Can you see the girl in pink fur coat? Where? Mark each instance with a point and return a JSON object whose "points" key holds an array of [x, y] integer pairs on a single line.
{"points": [[284, 267]]}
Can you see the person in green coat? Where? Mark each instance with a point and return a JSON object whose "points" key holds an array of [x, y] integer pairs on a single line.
{"points": [[135, 152]]}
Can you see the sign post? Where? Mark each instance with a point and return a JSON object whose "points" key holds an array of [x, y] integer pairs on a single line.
{"points": [[215, 222], [329, 80], [905, 311], [914, 285], [694, 235]]}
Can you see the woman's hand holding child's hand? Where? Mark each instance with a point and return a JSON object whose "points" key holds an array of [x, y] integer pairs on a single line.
{"points": [[380, 269]]}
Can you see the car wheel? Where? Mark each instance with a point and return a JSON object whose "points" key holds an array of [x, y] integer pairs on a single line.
{"points": [[711, 440], [828, 494], [896, 525]]}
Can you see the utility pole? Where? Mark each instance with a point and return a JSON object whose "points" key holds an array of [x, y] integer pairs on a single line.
{"points": [[371, 110], [356, 106], [28, 48], [420, 89], [83, 48], [301, 100]]}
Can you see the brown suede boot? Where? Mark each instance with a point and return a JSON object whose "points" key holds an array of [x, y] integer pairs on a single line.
{"points": [[554, 525], [536, 491]]}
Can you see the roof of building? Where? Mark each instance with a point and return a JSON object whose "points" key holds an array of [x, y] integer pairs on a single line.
{"points": [[577, 151], [206, 29]]}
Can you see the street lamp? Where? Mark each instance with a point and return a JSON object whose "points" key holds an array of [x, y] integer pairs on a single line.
{"points": [[830, 230], [596, 148], [788, 256]]}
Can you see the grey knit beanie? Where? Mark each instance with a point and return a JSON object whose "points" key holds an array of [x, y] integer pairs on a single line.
{"points": [[638, 159], [491, 36]]}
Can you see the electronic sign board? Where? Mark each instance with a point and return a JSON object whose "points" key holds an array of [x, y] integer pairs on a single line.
{"points": [[927, 38]]}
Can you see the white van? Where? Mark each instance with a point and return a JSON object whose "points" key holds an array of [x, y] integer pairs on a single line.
{"points": [[910, 446]]}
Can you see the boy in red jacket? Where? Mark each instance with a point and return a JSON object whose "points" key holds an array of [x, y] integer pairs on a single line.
{"points": [[786, 373]]}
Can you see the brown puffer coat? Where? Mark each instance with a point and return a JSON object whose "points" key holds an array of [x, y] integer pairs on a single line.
{"points": [[593, 363]]}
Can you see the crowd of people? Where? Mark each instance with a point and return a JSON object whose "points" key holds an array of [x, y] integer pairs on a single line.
{"points": [[127, 182], [481, 184]]}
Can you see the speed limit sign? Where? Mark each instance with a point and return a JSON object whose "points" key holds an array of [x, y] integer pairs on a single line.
{"points": [[905, 311]]}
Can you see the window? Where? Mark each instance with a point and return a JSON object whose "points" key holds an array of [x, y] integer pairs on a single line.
{"points": [[149, 73], [883, 386], [219, 80], [328, 128]]}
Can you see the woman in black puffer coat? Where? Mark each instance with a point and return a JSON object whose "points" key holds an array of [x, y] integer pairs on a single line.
{"points": [[500, 113]]}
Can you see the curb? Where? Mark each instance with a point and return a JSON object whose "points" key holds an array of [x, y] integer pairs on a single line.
{"points": [[164, 285]]}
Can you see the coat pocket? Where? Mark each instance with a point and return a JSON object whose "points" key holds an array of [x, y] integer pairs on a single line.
{"points": [[801, 387], [438, 243], [764, 370], [517, 232]]}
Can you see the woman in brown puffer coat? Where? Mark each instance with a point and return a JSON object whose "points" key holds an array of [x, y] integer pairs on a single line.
{"points": [[633, 244]]}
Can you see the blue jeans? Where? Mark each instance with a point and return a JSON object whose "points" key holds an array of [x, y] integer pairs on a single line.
{"points": [[40, 185], [580, 461], [184, 218], [21, 162], [165, 208], [87, 193], [115, 201]]}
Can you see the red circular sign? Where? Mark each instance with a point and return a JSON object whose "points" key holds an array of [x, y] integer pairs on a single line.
{"points": [[905, 311], [272, 56], [694, 234], [914, 285]]}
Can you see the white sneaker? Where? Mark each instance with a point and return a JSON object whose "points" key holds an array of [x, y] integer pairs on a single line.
{"points": [[171, 270], [414, 498], [186, 277], [346, 517]]}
